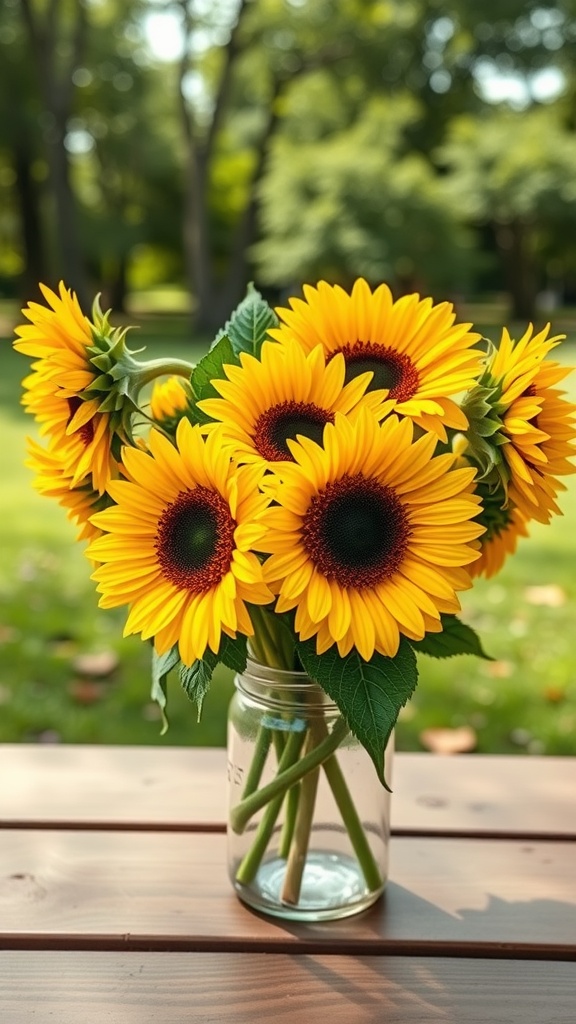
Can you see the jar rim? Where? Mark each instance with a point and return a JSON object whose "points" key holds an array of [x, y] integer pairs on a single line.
{"points": [[260, 679]]}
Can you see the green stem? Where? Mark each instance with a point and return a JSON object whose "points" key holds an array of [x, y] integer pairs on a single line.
{"points": [[153, 368], [261, 748], [352, 822], [251, 862], [279, 743], [292, 801], [271, 643], [287, 777], [248, 869], [268, 648], [301, 838], [286, 641], [263, 643]]}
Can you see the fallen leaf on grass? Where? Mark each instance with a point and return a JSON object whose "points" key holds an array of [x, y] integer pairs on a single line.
{"points": [[449, 741], [84, 691], [7, 634], [499, 669], [99, 665], [47, 736], [550, 595], [520, 737], [554, 694], [64, 649]]}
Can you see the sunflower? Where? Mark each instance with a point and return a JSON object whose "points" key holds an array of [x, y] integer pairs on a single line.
{"points": [[370, 535], [504, 524], [536, 423], [169, 401], [53, 481], [285, 394], [59, 339], [416, 352], [177, 545]]}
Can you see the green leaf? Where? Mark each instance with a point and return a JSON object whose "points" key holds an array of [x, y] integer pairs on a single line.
{"points": [[456, 638], [369, 694], [249, 323], [210, 367], [162, 664], [233, 653], [197, 677]]}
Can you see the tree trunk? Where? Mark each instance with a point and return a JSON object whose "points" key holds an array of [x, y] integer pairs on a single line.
{"points": [[214, 300], [238, 271], [30, 219], [197, 252], [71, 257], [513, 241], [115, 288], [56, 90], [209, 308]]}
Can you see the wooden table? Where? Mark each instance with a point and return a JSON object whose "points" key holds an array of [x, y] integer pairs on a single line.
{"points": [[115, 906]]}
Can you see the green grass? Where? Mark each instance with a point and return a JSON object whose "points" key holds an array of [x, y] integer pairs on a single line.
{"points": [[524, 700]]}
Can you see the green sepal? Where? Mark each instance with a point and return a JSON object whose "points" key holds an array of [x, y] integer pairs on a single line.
{"points": [[489, 459], [101, 361], [478, 407], [196, 678], [115, 401], [248, 326], [162, 664], [369, 694], [456, 638], [101, 383], [487, 427], [484, 434], [210, 367]]}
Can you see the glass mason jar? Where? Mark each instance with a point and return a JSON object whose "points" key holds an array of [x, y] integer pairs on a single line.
{"points": [[308, 823]]}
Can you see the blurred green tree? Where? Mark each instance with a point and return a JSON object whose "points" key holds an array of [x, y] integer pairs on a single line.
{"points": [[241, 62], [515, 171], [292, 138], [123, 143], [57, 33], [24, 243], [359, 204]]}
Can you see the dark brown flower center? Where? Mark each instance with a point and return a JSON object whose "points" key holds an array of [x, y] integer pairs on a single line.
{"points": [[285, 421], [86, 432], [356, 531], [392, 370], [195, 540]]}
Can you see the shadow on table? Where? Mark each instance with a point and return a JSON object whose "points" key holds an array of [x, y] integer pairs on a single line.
{"points": [[538, 923], [466, 967]]}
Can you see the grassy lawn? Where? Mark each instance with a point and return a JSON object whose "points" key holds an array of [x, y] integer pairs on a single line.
{"points": [[524, 700]]}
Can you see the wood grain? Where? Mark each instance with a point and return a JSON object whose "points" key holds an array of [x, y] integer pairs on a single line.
{"points": [[184, 789], [77, 785], [181, 988], [170, 891]]}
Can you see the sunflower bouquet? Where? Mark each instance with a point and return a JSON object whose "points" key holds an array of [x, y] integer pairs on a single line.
{"points": [[312, 495]]}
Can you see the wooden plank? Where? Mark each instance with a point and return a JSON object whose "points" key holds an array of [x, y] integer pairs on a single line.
{"points": [[75, 785], [481, 794], [171, 891], [176, 788], [181, 988]]}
